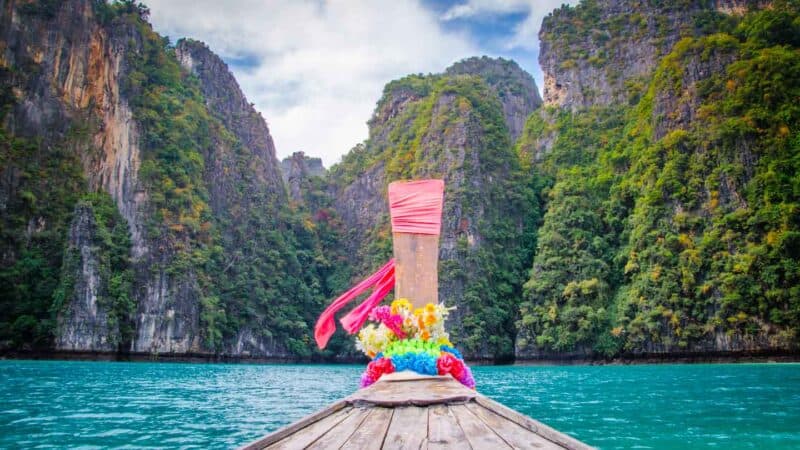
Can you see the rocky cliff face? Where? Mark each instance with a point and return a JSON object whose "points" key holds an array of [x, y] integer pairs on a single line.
{"points": [[142, 209], [515, 87], [296, 170], [229, 105], [654, 240], [66, 70], [609, 62], [84, 324], [93, 95], [452, 127]]}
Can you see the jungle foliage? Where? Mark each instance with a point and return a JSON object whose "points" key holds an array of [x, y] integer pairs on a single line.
{"points": [[672, 233]]}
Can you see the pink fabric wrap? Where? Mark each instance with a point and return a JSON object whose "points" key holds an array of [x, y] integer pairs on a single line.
{"points": [[416, 206], [382, 281]]}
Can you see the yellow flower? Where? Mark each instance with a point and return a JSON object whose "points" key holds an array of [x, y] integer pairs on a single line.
{"points": [[400, 303], [418, 312], [430, 308]]}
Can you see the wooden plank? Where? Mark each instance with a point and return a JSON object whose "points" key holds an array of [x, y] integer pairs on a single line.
{"points": [[410, 375], [338, 435], [422, 392], [305, 436], [281, 433], [372, 431], [408, 429], [537, 427], [444, 432], [515, 435], [478, 434], [416, 268]]}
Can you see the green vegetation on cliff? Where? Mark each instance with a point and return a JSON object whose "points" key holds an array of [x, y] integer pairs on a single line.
{"points": [[677, 229], [250, 264], [453, 127], [253, 262], [45, 183], [663, 220]]}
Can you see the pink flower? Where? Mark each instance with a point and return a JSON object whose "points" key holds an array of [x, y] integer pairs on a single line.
{"points": [[449, 364], [379, 313], [393, 322]]}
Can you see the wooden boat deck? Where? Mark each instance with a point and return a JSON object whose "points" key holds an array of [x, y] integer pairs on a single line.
{"points": [[405, 411]]}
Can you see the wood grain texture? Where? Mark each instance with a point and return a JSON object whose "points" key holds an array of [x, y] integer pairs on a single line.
{"points": [[305, 436], [444, 432], [515, 435], [419, 392], [370, 434], [409, 428], [336, 437], [292, 428], [412, 411], [478, 434], [416, 268]]}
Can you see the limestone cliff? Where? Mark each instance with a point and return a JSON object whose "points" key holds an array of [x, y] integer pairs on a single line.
{"points": [[601, 52], [83, 323], [229, 105], [656, 238], [515, 87], [453, 127], [64, 70], [296, 171], [95, 102]]}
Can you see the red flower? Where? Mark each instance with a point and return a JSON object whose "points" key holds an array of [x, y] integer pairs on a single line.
{"points": [[458, 369], [379, 367], [445, 363]]}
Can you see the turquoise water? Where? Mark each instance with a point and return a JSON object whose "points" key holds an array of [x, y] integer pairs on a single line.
{"points": [[57, 404]]}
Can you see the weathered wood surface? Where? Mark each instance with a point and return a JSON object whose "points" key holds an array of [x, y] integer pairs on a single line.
{"points": [[413, 412], [416, 268], [419, 392]]}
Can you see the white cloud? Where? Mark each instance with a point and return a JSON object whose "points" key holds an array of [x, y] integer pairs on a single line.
{"points": [[474, 8], [524, 37], [319, 67], [526, 33]]}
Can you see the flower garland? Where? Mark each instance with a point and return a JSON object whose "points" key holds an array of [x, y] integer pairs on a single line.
{"points": [[407, 339]]}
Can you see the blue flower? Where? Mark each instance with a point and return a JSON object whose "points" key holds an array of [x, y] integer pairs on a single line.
{"points": [[422, 363], [448, 349]]}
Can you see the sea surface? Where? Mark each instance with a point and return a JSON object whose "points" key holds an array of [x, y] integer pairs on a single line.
{"points": [[60, 404]]}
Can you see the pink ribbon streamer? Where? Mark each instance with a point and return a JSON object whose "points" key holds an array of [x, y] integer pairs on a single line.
{"points": [[353, 321], [382, 280], [416, 206]]}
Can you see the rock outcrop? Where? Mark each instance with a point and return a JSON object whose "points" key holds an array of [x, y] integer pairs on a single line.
{"points": [[229, 105], [452, 127], [601, 52], [296, 170], [74, 78], [83, 325], [653, 242], [515, 87]]}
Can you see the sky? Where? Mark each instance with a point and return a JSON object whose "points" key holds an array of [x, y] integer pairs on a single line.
{"points": [[316, 69]]}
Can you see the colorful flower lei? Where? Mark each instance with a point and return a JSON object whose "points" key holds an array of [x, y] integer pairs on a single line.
{"points": [[410, 340]]}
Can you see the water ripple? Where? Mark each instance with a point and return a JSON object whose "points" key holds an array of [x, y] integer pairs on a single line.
{"points": [[54, 404]]}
